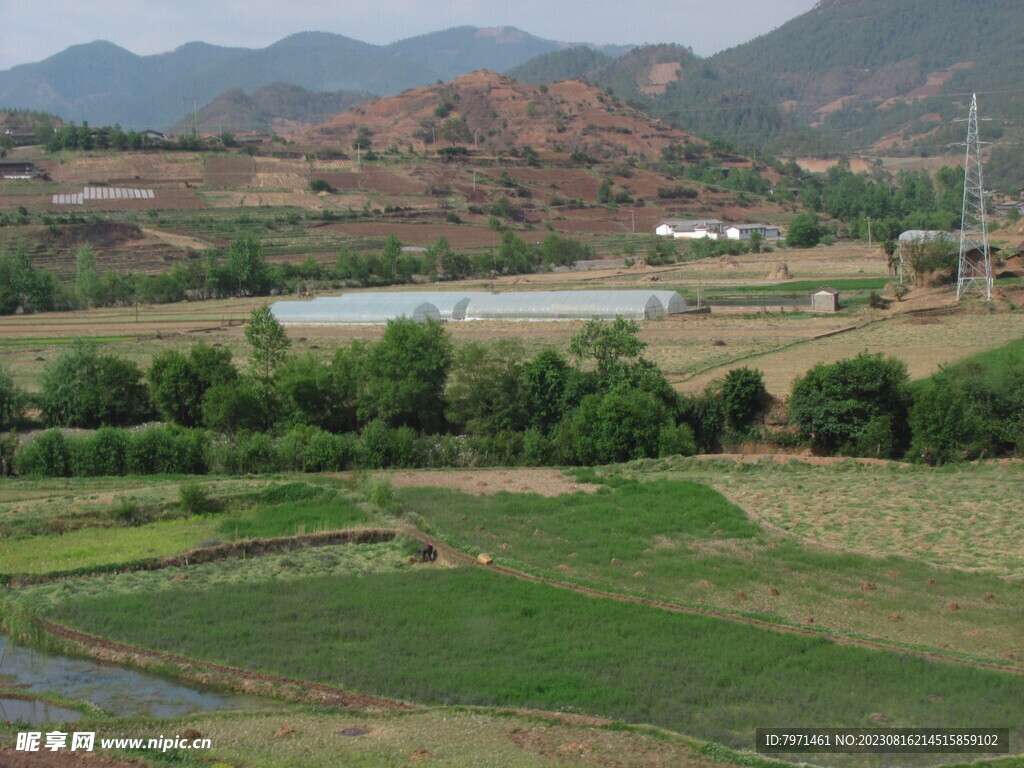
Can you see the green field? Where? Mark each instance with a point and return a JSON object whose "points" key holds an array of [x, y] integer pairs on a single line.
{"points": [[465, 636]]}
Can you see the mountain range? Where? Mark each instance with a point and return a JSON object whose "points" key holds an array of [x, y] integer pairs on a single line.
{"points": [[848, 75], [104, 84]]}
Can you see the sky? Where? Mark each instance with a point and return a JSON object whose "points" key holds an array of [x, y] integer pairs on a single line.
{"points": [[37, 29]]}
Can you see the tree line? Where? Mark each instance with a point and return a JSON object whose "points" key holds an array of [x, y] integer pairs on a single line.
{"points": [[413, 399]]}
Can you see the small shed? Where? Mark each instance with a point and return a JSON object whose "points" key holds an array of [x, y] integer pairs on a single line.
{"points": [[825, 300]]}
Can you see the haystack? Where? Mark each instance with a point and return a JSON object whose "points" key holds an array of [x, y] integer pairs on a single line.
{"points": [[781, 272], [642, 264]]}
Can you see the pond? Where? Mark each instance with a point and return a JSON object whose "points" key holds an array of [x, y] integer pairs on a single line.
{"points": [[115, 690]]}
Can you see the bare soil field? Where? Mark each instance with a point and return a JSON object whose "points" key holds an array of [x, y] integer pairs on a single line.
{"points": [[132, 168], [545, 482]]}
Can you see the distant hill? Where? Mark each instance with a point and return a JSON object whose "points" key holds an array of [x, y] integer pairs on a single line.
{"points": [[671, 83], [274, 108], [104, 84], [495, 113], [566, 64], [498, 48]]}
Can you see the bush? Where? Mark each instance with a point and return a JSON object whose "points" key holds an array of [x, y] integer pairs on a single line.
{"points": [[618, 426], [256, 454], [331, 453], [168, 450], [102, 453], [126, 510], [538, 449], [944, 427], [835, 404], [46, 455], [743, 396], [677, 440], [194, 498]]}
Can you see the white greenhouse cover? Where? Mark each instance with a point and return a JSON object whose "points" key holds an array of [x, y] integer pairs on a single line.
{"points": [[381, 306], [548, 305], [354, 308]]}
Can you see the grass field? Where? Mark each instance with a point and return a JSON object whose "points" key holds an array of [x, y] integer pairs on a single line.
{"points": [[106, 542], [681, 543], [470, 637]]}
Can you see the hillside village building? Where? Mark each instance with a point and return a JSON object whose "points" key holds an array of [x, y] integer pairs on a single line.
{"points": [[744, 231], [714, 229], [690, 228]]}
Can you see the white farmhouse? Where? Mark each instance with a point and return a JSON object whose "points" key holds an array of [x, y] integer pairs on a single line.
{"points": [[691, 228], [744, 231]]}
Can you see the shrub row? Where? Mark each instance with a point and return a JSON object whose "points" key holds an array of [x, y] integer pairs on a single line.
{"points": [[177, 450]]}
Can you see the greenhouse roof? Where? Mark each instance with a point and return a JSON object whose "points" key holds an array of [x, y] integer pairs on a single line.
{"points": [[381, 306], [546, 305], [355, 308]]}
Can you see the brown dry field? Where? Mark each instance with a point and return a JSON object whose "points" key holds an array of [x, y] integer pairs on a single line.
{"points": [[487, 482]]}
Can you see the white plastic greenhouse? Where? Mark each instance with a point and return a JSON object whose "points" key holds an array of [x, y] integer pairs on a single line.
{"points": [[355, 308], [379, 307], [548, 305]]}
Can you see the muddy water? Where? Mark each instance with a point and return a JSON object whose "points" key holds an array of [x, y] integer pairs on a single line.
{"points": [[34, 711], [113, 689]]}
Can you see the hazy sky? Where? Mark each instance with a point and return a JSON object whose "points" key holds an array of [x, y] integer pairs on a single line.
{"points": [[36, 29]]}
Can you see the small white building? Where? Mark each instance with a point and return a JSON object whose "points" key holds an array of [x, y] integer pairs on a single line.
{"points": [[690, 228], [825, 300], [744, 231]]}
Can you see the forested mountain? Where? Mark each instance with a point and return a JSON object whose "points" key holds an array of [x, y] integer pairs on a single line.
{"points": [[849, 74], [269, 109], [567, 64], [870, 71]]}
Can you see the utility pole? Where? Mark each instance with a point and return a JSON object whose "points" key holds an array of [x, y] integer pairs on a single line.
{"points": [[974, 266], [869, 230]]}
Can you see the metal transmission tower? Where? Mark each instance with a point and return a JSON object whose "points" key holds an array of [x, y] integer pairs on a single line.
{"points": [[975, 265]]}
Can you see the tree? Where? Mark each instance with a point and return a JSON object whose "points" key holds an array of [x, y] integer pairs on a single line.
{"points": [[24, 287], [564, 251], [246, 266], [178, 383], [617, 426], [485, 388], [87, 279], [804, 231], [82, 388], [309, 392], [836, 405], [268, 340], [547, 389], [12, 401], [607, 344], [404, 375]]}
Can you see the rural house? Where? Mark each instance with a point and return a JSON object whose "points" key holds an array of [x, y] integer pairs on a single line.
{"points": [[691, 228], [744, 231]]}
